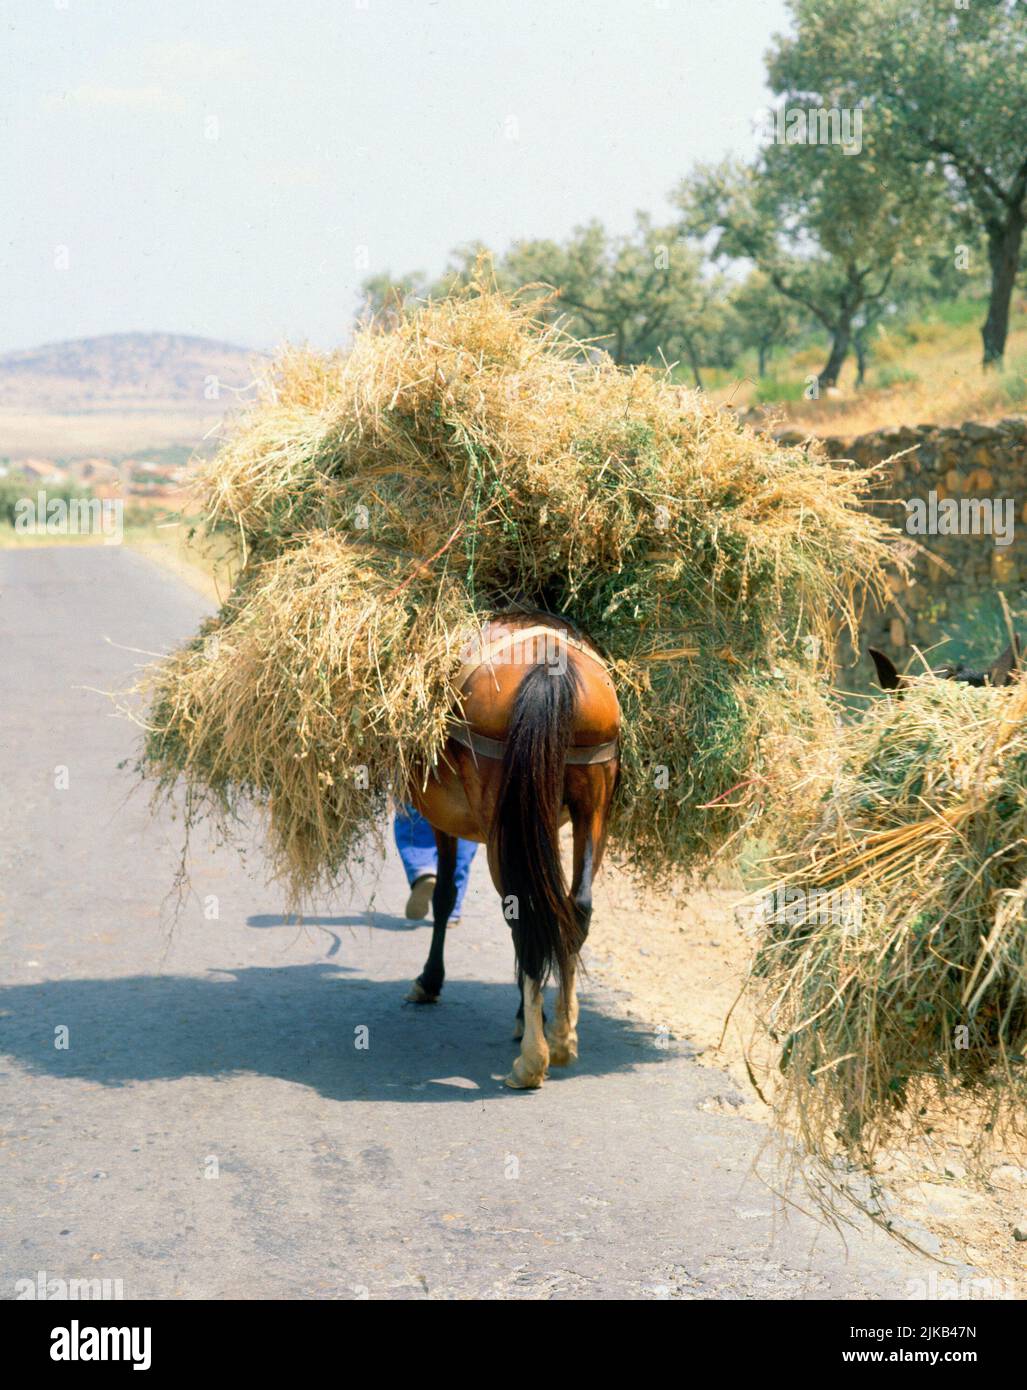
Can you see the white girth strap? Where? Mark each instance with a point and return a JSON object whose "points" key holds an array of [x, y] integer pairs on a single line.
{"points": [[485, 747], [522, 636]]}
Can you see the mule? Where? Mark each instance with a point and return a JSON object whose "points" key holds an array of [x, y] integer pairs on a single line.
{"points": [[533, 743], [1000, 672]]}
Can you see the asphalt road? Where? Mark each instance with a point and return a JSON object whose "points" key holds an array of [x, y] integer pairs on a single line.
{"points": [[213, 1129]]}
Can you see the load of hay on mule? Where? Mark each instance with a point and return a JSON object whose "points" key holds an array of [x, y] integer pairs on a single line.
{"points": [[470, 461]]}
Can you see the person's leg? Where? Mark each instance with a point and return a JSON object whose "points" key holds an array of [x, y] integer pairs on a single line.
{"points": [[465, 852], [415, 840]]}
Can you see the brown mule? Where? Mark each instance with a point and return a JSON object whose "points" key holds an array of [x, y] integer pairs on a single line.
{"points": [[533, 743], [1001, 671]]}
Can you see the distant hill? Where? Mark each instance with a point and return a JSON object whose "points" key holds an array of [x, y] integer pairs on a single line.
{"points": [[125, 372], [120, 394]]}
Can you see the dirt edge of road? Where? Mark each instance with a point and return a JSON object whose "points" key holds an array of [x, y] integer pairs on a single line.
{"points": [[682, 959]]}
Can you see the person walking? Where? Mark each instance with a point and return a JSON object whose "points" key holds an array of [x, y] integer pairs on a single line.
{"points": [[415, 840]]}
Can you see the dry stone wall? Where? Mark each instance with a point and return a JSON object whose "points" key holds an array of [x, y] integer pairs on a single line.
{"points": [[960, 493]]}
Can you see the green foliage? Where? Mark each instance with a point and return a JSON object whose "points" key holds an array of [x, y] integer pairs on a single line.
{"points": [[831, 231], [1014, 382], [891, 374], [16, 486], [12, 487], [765, 318], [772, 390], [642, 298], [943, 89], [957, 313], [924, 205]]}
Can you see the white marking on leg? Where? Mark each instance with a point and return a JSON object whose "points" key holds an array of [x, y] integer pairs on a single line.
{"points": [[529, 1069], [417, 994], [563, 1036]]}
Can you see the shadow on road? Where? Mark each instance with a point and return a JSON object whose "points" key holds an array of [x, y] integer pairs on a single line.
{"points": [[347, 1038], [380, 921]]}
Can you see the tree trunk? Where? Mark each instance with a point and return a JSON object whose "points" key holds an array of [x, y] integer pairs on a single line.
{"points": [[839, 351], [618, 350], [1004, 242], [861, 360], [761, 359], [693, 362]]}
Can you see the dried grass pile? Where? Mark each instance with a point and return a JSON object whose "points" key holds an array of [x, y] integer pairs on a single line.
{"points": [[903, 992], [467, 460]]}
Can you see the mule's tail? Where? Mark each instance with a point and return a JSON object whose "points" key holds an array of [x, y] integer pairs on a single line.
{"points": [[546, 931]]}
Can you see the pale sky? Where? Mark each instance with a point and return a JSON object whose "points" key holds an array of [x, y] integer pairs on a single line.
{"points": [[235, 168]]}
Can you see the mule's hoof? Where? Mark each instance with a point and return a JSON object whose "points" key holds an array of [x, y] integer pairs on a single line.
{"points": [[562, 1054], [523, 1079], [419, 995]]}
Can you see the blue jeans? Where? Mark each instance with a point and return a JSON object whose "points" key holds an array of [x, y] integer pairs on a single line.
{"points": [[415, 840]]}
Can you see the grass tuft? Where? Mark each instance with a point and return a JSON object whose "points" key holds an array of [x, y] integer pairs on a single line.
{"points": [[919, 1003]]}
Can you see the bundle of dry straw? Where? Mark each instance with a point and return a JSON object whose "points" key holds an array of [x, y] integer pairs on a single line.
{"points": [[466, 460], [894, 970]]}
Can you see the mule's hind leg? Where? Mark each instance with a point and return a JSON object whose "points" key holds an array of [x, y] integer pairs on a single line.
{"points": [[428, 985], [518, 1032], [563, 1034], [529, 1068], [589, 793]]}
